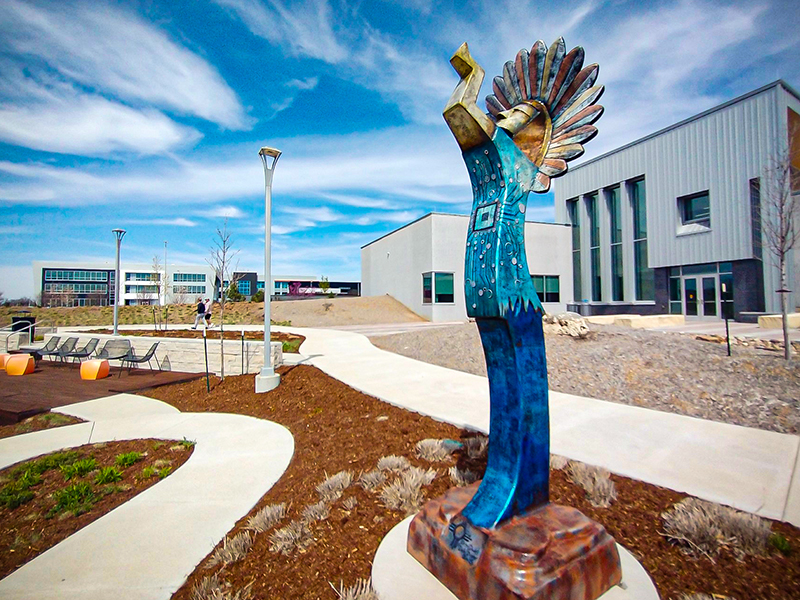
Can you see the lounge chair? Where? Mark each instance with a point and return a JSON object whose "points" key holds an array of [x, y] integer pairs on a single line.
{"points": [[66, 347], [132, 359], [36, 351], [84, 352], [114, 350]]}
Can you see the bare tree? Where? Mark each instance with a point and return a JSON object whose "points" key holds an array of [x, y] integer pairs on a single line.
{"points": [[221, 261], [782, 203]]}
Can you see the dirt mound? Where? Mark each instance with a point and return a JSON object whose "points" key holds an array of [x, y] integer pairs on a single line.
{"points": [[366, 310]]}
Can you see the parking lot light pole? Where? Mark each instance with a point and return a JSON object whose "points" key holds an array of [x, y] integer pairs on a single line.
{"points": [[267, 379], [119, 233]]}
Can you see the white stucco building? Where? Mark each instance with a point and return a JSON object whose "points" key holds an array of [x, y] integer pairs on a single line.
{"points": [[422, 265]]}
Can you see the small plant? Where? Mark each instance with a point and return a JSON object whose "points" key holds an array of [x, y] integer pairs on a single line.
{"points": [[76, 498], [403, 495], [476, 446], [79, 468], [127, 459], [28, 478], [107, 475], [12, 496], [267, 517], [161, 463], [372, 479], [157, 445], [780, 543], [295, 536], [164, 471], [232, 550], [210, 588], [362, 590], [350, 503], [187, 444], [331, 489], [432, 450], [596, 482], [146, 473], [316, 512], [462, 477], [393, 463]]}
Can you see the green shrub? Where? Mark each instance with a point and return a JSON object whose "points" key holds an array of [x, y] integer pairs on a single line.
{"points": [[107, 475], [76, 498], [292, 346], [146, 473], [780, 543], [12, 496], [164, 472], [79, 468], [127, 459]]}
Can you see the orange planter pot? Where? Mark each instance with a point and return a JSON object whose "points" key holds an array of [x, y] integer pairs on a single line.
{"points": [[94, 369], [20, 364], [3, 359]]}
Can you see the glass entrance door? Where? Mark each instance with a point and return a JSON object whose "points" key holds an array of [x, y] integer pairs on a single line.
{"points": [[690, 295], [709, 296]]}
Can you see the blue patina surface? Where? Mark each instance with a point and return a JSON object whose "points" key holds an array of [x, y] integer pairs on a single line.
{"points": [[501, 297]]}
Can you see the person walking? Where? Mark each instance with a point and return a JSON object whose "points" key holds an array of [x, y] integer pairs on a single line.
{"points": [[201, 312], [209, 306]]}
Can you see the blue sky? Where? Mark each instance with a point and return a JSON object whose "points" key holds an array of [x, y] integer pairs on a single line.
{"points": [[149, 115]]}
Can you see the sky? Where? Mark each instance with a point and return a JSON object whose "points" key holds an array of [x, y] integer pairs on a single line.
{"points": [[149, 115]]}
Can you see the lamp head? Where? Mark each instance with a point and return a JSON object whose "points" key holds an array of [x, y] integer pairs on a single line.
{"points": [[119, 233], [273, 152]]}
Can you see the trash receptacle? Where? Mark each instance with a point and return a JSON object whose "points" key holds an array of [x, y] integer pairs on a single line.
{"points": [[21, 323]]}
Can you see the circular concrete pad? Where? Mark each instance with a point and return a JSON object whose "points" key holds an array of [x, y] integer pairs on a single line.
{"points": [[396, 575]]}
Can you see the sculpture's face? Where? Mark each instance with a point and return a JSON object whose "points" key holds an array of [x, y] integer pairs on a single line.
{"points": [[530, 126]]}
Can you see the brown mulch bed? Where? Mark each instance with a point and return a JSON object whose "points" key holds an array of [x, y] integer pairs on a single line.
{"points": [[40, 422], [337, 428], [28, 530]]}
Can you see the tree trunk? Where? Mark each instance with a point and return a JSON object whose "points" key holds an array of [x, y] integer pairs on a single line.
{"points": [[221, 342], [787, 347]]}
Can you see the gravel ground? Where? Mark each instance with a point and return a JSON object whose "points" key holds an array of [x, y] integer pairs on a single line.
{"points": [[664, 371]]}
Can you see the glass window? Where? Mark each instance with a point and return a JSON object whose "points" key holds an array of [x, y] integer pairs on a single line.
{"points": [[574, 219], [594, 242], [615, 213], [644, 275], [538, 285], [675, 305], [700, 269], [755, 218], [244, 287], [427, 288], [726, 267], [695, 209], [552, 292], [444, 288], [726, 295]]}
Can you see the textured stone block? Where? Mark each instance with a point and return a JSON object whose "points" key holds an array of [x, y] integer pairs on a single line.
{"points": [[552, 553]]}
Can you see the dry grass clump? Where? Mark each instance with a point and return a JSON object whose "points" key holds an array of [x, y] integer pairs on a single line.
{"points": [[476, 446], [232, 549], [558, 462], [266, 518], [705, 528], [462, 477], [210, 588], [331, 489], [362, 590], [316, 512], [433, 450], [393, 463], [596, 482], [295, 536], [372, 479], [405, 492], [350, 503]]}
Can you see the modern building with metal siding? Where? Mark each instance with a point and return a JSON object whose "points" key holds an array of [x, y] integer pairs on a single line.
{"points": [[699, 177]]}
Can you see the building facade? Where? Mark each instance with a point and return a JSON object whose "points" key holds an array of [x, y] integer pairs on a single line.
{"points": [[674, 222], [249, 282], [422, 265], [92, 284]]}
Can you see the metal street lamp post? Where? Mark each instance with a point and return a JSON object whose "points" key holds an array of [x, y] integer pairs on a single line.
{"points": [[119, 233], [268, 379]]}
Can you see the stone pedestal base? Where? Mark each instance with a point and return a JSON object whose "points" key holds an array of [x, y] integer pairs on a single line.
{"points": [[552, 553]]}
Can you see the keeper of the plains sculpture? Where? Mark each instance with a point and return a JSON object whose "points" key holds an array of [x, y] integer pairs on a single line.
{"points": [[502, 538]]}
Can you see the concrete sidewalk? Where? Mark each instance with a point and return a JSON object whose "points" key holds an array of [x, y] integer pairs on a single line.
{"points": [[749, 469], [146, 548]]}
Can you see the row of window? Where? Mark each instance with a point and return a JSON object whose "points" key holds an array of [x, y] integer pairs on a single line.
{"points": [[188, 289], [74, 275], [141, 289], [142, 276], [643, 275], [76, 288], [57, 301], [437, 288], [195, 277]]}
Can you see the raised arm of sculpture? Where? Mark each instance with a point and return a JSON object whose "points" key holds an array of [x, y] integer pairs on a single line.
{"points": [[539, 114]]}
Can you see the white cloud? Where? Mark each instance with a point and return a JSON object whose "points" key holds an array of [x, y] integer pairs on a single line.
{"points": [[15, 229], [176, 222], [398, 216], [303, 84], [222, 212], [117, 52]]}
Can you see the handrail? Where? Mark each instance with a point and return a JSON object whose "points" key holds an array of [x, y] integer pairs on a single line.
{"points": [[27, 328]]}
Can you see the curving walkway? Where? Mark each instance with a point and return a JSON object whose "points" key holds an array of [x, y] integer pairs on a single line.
{"points": [[146, 548], [749, 469]]}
